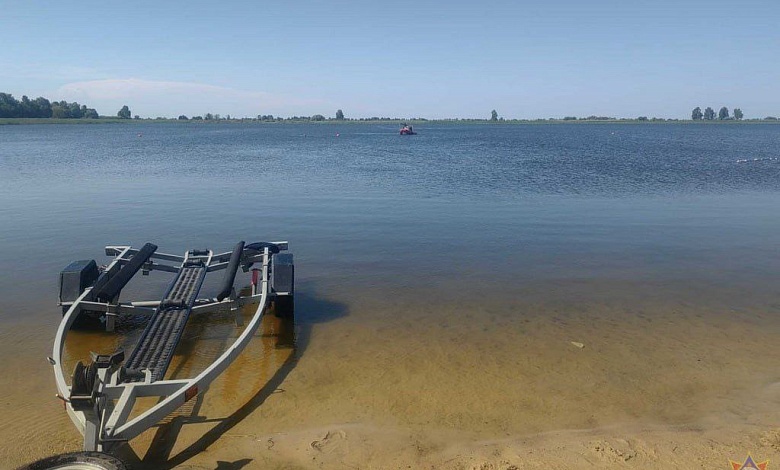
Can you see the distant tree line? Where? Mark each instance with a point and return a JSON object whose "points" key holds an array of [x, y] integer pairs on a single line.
{"points": [[709, 114], [339, 116], [41, 107], [320, 117]]}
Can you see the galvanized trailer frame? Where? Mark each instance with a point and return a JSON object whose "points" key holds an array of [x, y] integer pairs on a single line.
{"points": [[103, 416]]}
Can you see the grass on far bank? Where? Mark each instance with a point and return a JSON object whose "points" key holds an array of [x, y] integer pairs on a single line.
{"points": [[15, 121]]}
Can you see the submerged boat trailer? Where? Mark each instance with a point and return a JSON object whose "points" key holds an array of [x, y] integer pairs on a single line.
{"points": [[103, 392]]}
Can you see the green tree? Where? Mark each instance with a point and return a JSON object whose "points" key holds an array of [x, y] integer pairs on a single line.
{"points": [[43, 107], [340, 115], [494, 116], [124, 113], [26, 108], [696, 115], [738, 114], [9, 107], [317, 117], [709, 114], [75, 110], [723, 113], [60, 110]]}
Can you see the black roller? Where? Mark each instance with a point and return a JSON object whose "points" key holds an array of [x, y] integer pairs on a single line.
{"points": [[230, 272], [273, 248], [114, 285]]}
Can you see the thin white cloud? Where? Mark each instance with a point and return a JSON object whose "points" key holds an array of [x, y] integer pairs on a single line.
{"points": [[165, 98], [48, 72]]}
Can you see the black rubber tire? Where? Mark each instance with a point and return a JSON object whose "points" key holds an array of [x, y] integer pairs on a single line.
{"points": [[284, 306], [88, 321], [98, 460]]}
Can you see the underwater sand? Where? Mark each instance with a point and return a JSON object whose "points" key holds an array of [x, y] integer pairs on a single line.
{"points": [[458, 381]]}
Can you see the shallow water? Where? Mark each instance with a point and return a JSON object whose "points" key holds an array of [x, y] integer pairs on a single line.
{"points": [[441, 277]]}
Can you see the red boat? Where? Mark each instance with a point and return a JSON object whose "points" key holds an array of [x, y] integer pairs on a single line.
{"points": [[407, 130]]}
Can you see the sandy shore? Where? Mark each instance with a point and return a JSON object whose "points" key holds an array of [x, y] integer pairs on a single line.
{"points": [[363, 447]]}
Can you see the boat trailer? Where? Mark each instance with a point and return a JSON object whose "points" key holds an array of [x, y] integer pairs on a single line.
{"points": [[102, 393]]}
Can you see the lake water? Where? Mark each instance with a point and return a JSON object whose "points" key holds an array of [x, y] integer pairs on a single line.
{"points": [[440, 277]]}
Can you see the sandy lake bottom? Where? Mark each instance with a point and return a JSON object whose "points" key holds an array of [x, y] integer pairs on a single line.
{"points": [[604, 374]]}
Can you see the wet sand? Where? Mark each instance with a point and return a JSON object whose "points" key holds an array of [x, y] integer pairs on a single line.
{"points": [[446, 378]]}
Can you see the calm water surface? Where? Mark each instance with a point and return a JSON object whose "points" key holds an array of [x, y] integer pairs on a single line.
{"points": [[549, 201], [386, 228]]}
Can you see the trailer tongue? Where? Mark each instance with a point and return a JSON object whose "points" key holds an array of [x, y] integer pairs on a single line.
{"points": [[103, 391]]}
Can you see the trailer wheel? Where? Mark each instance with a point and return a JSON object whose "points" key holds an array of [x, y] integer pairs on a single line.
{"points": [[79, 461], [87, 320], [284, 306]]}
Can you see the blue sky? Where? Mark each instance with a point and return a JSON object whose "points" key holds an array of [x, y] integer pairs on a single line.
{"points": [[431, 59]]}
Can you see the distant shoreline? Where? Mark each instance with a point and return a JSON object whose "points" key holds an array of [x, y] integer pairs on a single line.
{"points": [[418, 122]]}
